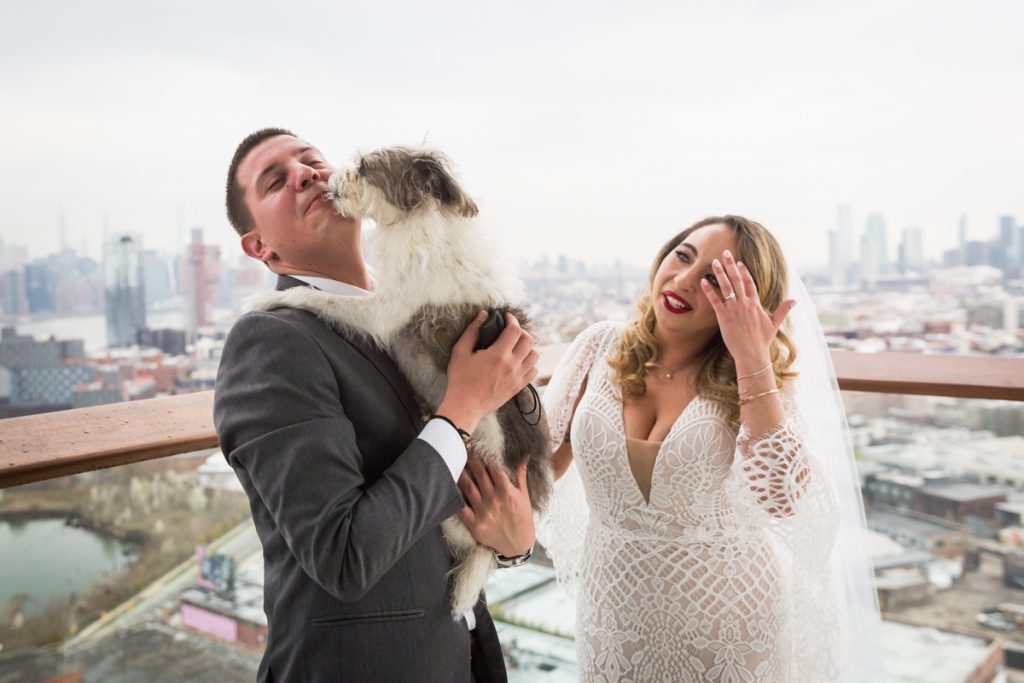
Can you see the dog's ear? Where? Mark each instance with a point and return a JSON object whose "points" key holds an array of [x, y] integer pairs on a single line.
{"points": [[433, 178]]}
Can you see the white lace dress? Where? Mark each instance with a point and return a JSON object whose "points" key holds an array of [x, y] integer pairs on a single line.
{"points": [[723, 576]]}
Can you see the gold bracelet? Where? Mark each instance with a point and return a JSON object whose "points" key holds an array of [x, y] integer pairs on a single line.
{"points": [[745, 401], [753, 385], [753, 374]]}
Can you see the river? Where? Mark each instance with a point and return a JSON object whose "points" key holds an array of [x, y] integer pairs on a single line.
{"points": [[48, 561]]}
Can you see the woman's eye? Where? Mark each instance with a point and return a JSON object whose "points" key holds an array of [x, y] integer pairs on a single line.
{"points": [[683, 256], [712, 279]]}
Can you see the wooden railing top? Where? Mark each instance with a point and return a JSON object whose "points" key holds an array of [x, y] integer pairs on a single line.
{"points": [[53, 445]]}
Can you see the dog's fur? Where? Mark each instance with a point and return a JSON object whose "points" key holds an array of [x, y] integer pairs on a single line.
{"points": [[435, 269]]}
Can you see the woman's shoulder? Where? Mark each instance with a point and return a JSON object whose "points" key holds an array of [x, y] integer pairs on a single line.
{"points": [[601, 331]]}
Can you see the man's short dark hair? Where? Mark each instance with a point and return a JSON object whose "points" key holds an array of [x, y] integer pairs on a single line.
{"points": [[238, 213]]}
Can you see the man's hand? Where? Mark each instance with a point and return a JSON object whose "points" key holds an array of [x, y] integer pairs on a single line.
{"points": [[479, 382], [498, 512]]}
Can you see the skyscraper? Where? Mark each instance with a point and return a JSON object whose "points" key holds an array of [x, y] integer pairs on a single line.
{"points": [[868, 270], [124, 290], [200, 272], [841, 255], [1009, 241], [912, 250], [877, 242]]}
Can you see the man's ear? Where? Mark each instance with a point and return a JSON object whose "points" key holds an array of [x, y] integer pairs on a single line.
{"points": [[255, 247]]}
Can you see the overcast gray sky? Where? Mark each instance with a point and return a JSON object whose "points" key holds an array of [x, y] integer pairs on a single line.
{"points": [[587, 128]]}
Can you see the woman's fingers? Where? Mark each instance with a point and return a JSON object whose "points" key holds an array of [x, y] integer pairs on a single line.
{"points": [[748, 280], [725, 286], [713, 297], [735, 277]]}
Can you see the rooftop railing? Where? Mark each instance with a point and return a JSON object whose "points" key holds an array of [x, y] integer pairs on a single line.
{"points": [[52, 445]]}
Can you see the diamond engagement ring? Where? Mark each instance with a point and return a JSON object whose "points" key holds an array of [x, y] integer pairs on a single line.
{"points": [[731, 296]]}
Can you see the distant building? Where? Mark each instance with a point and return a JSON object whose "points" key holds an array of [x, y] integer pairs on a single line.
{"points": [[160, 281], [13, 298], [124, 290], [912, 250], [841, 246], [200, 273], [878, 242], [42, 374], [1009, 242], [956, 501], [943, 541], [171, 342], [38, 289], [236, 618], [978, 253], [899, 588]]}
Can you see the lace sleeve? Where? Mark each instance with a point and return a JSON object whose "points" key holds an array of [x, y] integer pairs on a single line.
{"points": [[775, 466], [561, 392], [563, 527]]}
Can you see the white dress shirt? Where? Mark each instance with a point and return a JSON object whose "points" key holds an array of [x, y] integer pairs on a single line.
{"points": [[441, 436]]}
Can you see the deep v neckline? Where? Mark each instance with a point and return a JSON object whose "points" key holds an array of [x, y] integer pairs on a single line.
{"points": [[646, 502]]}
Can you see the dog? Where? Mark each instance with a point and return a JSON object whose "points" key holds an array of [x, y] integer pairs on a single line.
{"points": [[435, 269]]}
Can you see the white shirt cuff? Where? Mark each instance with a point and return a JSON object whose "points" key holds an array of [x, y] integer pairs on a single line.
{"points": [[446, 441]]}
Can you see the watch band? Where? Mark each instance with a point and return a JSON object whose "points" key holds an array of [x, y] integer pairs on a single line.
{"points": [[504, 561]]}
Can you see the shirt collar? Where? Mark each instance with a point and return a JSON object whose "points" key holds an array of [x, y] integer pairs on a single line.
{"points": [[332, 286]]}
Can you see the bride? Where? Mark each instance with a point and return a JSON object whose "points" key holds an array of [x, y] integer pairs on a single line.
{"points": [[706, 510]]}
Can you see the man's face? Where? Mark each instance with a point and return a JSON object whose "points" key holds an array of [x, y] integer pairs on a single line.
{"points": [[295, 228]]}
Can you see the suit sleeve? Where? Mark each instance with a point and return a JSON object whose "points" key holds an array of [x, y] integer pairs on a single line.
{"points": [[279, 418]]}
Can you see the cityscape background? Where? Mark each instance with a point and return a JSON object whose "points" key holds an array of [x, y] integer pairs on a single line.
{"points": [[879, 141]]}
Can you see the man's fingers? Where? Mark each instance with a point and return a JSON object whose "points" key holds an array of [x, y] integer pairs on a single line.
{"points": [[469, 490], [509, 337], [468, 517], [501, 481], [472, 333], [521, 477], [480, 476], [523, 346]]}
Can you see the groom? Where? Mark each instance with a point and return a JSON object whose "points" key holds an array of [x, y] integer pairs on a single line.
{"points": [[347, 486]]}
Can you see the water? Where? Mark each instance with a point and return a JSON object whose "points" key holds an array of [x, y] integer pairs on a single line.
{"points": [[92, 328], [45, 559]]}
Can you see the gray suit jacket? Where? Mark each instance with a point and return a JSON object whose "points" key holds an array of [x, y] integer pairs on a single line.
{"points": [[321, 428]]}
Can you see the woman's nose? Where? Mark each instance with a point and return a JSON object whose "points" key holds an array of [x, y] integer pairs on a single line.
{"points": [[687, 279]]}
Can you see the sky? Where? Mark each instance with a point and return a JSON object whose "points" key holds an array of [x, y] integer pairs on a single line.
{"points": [[591, 129]]}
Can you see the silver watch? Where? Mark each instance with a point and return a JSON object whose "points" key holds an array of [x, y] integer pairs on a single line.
{"points": [[505, 562]]}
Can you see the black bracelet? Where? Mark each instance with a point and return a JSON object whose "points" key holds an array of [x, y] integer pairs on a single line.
{"points": [[463, 434]]}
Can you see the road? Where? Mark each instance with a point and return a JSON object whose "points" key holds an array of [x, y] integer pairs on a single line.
{"points": [[240, 543]]}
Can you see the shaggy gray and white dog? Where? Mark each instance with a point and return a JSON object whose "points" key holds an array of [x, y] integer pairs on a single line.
{"points": [[434, 270]]}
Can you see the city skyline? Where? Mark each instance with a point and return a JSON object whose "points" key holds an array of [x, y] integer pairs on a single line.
{"points": [[572, 125]]}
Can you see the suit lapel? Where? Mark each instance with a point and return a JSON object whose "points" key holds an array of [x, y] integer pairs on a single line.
{"points": [[374, 356]]}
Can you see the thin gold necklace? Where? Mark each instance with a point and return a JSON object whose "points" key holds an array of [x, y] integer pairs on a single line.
{"points": [[669, 373]]}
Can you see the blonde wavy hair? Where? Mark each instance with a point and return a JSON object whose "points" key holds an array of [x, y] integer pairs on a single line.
{"points": [[716, 376]]}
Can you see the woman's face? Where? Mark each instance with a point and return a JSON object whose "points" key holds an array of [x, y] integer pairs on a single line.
{"points": [[681, 308]]}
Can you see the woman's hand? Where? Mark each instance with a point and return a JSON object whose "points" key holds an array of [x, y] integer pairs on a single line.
{"points": [[747, 329]]}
